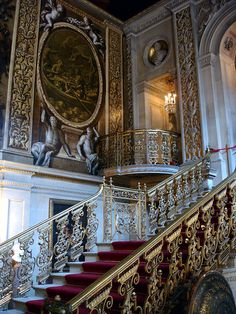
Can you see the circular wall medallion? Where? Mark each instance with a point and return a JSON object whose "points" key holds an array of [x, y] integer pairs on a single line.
{"points": [[212, 295], [70, 75], [157, 52]]}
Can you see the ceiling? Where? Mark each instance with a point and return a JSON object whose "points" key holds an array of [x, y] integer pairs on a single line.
{"points": [[123, 9]]}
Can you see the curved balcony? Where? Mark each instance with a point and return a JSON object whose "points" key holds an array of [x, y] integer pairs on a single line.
{"points": [[140, 151]]}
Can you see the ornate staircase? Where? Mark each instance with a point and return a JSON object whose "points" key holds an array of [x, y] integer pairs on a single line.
{"points": [[192, 231]]}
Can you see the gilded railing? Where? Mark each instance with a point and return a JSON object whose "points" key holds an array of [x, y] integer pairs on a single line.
{"points": [[168, 198], [119, 213], [200, 239], [48, 246], [140, 147], [124, 212]]}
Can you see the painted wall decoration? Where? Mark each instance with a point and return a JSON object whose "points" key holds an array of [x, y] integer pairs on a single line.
{"points": [[70, 75]]}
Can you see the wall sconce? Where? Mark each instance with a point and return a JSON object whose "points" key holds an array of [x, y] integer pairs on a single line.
{"points": [[170, 102]]}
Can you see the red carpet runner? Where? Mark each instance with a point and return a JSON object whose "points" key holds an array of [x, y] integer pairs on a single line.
{"points": [[75, 283]]}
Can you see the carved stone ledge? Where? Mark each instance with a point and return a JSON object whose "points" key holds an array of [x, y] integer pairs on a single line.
{"points": [[207, 60]]}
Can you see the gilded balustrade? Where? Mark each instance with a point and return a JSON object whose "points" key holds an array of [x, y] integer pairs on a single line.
{"points": [[38, 250], [140, 147], [124, 212], [125, 216], [168, 198], [192, 243]]}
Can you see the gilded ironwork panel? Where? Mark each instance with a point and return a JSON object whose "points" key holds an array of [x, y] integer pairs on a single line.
{"points": [[44, 258], [21, 98], [7, 274], [189, 85]]}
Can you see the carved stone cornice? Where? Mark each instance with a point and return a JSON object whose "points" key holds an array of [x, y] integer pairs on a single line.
{"points": [[206, 10], [155, 15]]}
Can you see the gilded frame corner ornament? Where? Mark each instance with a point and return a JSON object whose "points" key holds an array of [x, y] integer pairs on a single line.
{"points": [[43, 95]]}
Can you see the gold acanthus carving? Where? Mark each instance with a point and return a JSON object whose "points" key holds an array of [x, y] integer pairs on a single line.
{"points": [[129, 123], [23, 74], [115, 81], [189, 85]]}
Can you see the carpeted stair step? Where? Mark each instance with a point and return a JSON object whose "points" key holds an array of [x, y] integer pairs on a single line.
{"points": [[127, 245], [113, 255], [78, 281]]}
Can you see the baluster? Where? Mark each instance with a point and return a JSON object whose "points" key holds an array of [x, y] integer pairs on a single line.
{"points": [[101, 301], [155, 299], [62, 243], [208, 237], [199, 179], [170, 203], [152, 215], [44, 258], [27, 264], [92, 226], [6, 275], [161, 207], [232, 213], [127, 280], [178, 194], [174, 258], [78, 234], [186, 189], [107, 212], [194, 260], [221, 223]]}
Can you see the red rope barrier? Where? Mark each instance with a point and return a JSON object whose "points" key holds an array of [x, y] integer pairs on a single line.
{"points": [[216, 150]]}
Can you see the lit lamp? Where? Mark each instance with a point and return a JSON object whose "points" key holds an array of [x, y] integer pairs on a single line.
{"points": [[170, 101]]}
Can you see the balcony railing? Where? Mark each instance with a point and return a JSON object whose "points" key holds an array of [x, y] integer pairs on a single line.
{"points": [[140, 147]]}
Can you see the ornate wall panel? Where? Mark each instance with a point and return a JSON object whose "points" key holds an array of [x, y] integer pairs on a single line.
{"points": [[21, 95], [128, 119], [115, 85], [189, 85]]}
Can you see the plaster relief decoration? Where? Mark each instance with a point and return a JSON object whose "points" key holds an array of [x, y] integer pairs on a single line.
{"points": [[228, 43], [51, 13], [206, 10], [22, 80], [6, 12], [157, 52], [6, 25], [69, 75], [88, 27], [128, 119], [115, 81], [189, 86]]}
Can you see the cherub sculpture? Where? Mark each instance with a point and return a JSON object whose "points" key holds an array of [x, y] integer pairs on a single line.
{"points": [[50, 14]]}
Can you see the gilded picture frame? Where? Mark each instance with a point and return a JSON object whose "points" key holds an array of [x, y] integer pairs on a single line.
{"points": [[69, 75]]}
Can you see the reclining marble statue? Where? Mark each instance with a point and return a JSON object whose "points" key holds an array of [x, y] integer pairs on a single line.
{"points": [[54, 140], [86, 148]]}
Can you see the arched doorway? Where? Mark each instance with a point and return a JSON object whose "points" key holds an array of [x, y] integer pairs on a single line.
{"points": [[218, 88]]}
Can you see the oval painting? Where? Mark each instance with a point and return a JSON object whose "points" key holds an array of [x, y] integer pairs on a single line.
{"points": [[70, 75]]}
